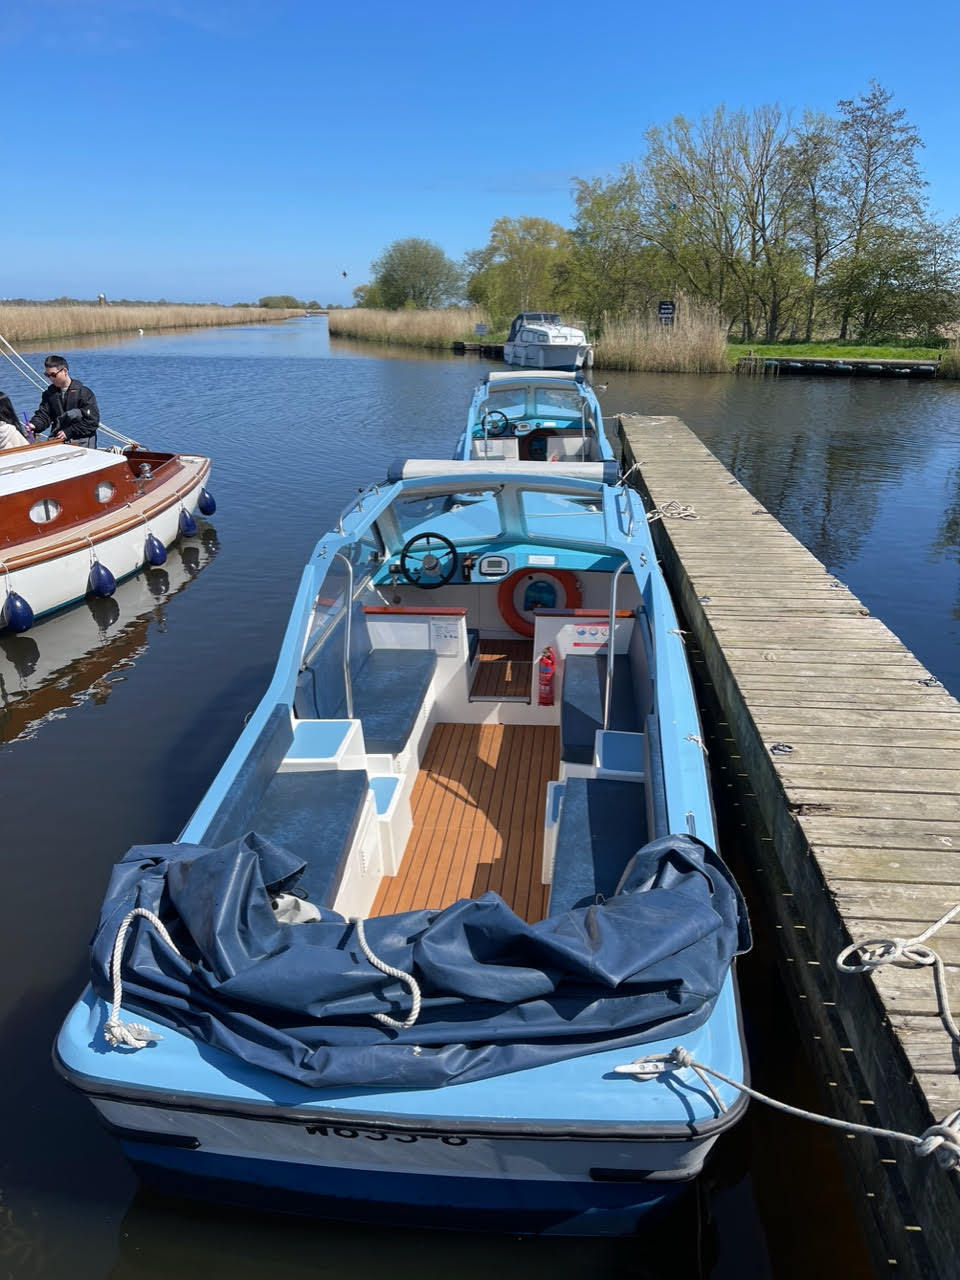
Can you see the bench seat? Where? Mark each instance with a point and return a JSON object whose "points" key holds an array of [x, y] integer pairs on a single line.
{"points": [[602, 825], [581, 703], [315, 816], [388, 692]]}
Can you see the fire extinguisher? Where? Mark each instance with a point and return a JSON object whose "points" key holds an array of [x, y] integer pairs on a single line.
{"points": [[548, 666]]}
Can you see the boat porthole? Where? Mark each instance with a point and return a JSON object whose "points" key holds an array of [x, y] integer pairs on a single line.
{"points": [[529, 589], [104, 491], [44, 510]]}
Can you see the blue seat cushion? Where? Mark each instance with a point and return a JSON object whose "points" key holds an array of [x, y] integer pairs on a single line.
{"points": [[233, 814], [602, 825], [315, 816], [388, 692], [582, 698]]}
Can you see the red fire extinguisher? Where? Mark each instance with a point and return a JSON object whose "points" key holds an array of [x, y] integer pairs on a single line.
{"points": [[548, 666]]}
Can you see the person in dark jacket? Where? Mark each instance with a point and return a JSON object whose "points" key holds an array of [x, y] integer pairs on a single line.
{"points": [[68, 409]]}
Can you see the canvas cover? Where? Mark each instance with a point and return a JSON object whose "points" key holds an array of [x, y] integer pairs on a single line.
{"points": [[498, 994]]}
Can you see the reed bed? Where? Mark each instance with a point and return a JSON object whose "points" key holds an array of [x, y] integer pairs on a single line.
{"points": [[695, 343], [415, 328], [48, 322], [950, 361]]}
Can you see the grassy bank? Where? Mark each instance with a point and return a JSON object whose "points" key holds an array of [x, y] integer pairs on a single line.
{"points": [[697, 343], [413, 328], [43, 323]]}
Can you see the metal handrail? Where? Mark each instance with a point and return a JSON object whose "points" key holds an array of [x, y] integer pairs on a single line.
{"points": [[611, 637], [348, 628]]}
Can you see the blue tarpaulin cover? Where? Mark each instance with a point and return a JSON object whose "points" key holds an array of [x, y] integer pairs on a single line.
{"points": [[498, 994]]}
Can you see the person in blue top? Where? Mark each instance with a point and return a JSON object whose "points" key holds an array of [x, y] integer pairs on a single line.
{"points": [[68, 409]]}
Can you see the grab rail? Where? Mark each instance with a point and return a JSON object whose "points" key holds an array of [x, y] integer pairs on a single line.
{"points": [[347, 632], [611, 637]]}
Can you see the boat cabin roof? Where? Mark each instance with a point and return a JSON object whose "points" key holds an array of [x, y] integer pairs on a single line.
{"points": [[46, 464]]}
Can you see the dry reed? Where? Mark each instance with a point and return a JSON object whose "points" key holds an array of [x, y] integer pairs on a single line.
{"points": [[695, 343], [950, 361], [48, 322], [415, 328]]}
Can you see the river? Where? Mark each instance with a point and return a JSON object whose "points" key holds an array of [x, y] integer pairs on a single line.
{"points": [[113, 720]]}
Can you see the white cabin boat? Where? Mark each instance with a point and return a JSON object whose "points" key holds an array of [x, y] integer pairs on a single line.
{"points": [[540, 340]]}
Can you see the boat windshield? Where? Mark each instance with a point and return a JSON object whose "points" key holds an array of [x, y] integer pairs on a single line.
{"points": [[472, 516]]}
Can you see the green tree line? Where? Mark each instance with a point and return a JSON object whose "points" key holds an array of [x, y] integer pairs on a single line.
{"points": [[790, 228]]}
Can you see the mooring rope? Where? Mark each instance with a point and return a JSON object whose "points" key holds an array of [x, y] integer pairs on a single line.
{"points": [[672, 510], [133, 1035], [876, 952], [942, 1140], [391, 972]]}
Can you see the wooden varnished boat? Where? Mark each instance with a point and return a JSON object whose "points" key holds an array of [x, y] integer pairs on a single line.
{"points": [[75, 521]]}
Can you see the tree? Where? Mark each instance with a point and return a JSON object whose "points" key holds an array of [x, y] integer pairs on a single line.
{"points": [[415, 273], [279, 300], [520, 268], [880, 180]]}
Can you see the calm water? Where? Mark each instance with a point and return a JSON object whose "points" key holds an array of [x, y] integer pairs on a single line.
{"points": [[113, 722]]}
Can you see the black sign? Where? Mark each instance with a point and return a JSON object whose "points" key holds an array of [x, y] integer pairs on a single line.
{"points": [[666, 312]]}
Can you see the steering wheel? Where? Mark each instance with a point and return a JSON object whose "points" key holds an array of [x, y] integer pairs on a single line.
{"points": [[497, 428], [428, 554]]}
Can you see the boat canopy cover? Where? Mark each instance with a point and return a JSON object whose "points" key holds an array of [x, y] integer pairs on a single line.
{"points": [[607, 472], [498, 994]]}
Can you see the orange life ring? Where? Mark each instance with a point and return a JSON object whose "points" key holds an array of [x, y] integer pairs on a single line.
{"points": [[515, 617]]}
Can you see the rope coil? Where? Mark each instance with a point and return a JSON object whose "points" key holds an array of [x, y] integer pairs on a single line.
{"points": [[672, 510], [391, 972], [132, 1035]]}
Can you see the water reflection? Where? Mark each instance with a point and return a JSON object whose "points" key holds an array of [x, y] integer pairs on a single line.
{"points": [[83, 652]]}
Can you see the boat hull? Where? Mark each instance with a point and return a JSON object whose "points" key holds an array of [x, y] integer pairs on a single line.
{"points": [[454, 1179], [528, 355], [57, 576]]}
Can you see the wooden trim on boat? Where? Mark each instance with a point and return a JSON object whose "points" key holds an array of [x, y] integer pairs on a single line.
{"points": [[582, 613], [112, 523], [448, 612]]}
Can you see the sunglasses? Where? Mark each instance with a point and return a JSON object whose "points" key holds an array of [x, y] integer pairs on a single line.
{"points": [[51, 373]]}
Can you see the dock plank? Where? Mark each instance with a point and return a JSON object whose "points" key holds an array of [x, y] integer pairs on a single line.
{"points": [[856, 829]]}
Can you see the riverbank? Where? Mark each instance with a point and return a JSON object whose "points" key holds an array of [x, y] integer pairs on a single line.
{"points": [[43, 322], [696, 344]]}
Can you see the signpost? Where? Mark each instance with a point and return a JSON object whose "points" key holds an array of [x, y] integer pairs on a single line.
{"points": [[666, 312], [480, 330]]}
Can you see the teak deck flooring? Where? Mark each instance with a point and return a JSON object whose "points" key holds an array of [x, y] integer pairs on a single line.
{"points": [[478, 806], [503, 669]]}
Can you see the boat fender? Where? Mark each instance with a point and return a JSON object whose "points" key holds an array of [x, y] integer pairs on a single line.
{"points": [[154, 552], [101, 581], [16, 614], [539, 591], [206, 503], [188, 526]]}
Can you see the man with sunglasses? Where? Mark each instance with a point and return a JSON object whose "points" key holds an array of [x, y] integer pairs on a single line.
{"points": [[68, 409]]}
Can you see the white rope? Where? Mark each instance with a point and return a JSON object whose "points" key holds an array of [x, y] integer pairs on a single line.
{"points": [[941, 1140], [875, 952], [673, 508], [133, 1035], [389, 970], [31, 375]]}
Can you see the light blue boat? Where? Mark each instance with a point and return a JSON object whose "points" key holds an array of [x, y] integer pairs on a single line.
{"points": [[534, 417], [454, 879]]}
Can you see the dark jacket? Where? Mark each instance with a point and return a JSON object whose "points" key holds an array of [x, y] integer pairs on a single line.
{"points": [[73, 411]]}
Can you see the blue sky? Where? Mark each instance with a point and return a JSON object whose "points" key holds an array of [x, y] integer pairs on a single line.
{"points": [[221, 150]]}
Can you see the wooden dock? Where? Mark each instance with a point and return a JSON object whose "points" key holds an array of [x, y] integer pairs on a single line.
{"points": [[833, 366], [846, 752]]}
